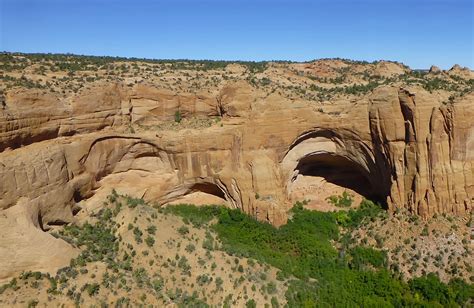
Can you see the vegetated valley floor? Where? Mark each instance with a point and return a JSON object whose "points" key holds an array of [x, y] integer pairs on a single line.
{"points": [[138, 254]]}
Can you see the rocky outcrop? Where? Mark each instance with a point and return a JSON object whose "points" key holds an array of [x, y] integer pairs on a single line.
{"points": [[460, 72], [149, 104], [33, 248], [32, 115], [435, 70], [389, 69]]}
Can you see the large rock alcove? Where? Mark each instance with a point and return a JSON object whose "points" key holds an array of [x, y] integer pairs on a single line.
{"points": [[323, 163]]}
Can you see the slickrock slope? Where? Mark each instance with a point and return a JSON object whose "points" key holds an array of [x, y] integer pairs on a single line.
{"points": [[247, 139]]}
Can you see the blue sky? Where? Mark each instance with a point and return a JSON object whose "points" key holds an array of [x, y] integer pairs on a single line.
{"points": [[416, 32]]}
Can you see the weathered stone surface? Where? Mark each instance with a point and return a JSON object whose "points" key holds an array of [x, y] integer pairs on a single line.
{"points": [[424, 174], [408, 148], [31, 115], [149, 104], [33, 248], [462, 72], [414, 151], [434, 70]]}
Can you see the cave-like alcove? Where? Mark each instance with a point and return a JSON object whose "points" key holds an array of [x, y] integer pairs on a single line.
{"points": [[342, 172], [200, 193], [208, 188]]}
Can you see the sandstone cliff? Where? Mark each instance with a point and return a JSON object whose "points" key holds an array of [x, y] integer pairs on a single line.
{"points": [[398, 144], [413, 151]]}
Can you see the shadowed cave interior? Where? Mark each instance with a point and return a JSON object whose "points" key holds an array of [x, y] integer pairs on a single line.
{"points": [[208, 188], [342, 172], [201, 194]]}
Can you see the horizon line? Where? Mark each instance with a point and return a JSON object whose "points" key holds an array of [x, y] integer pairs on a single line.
{"points": [[215, 60]]}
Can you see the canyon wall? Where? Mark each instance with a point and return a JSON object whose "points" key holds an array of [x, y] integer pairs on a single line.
{"points": [[413, 151], [62, 157]]}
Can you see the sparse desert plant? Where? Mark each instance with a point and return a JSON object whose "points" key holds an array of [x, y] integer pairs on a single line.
{"points": [[137, 235], [271, 287], [208, 242], [190, 248], [183, 230], [425, 231], [150, 241], [151, 230], [219, 282], [203, 279], [177, 116], [91, 288], [344, 200], [32, 303]]}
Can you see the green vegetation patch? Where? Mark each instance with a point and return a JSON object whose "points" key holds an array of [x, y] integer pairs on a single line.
{"points": [[197, 216], [311, 251], [365, 256], [305, 249]]}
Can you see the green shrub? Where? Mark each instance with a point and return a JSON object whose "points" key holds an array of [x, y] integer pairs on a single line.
{"points": [[219, 282], [177, 116], [461, 292], [151, 230], [208, 242], [183, 230], [274, 302], [150, 241], [137, 235], [251, 304], [190, 248], [363, 256], [198, 216], [140, 276], [134, 202], [431, 288], [425, 231], [91, 288], [53, 286], [203, 279], [157, 285], [345, 200], [271, 288]]}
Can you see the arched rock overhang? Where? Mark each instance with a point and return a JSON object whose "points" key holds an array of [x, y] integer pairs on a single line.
{"points": [[340, 157], [208, 185]]}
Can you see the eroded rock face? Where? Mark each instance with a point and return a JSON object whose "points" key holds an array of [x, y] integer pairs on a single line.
{"points": [[462, 72], [24, 245], [414, 151], [416, 138], [409, 150], [435, 70], [32, 115]]}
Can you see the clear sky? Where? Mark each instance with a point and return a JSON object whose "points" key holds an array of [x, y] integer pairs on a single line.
{"points": [[416, 32]]}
